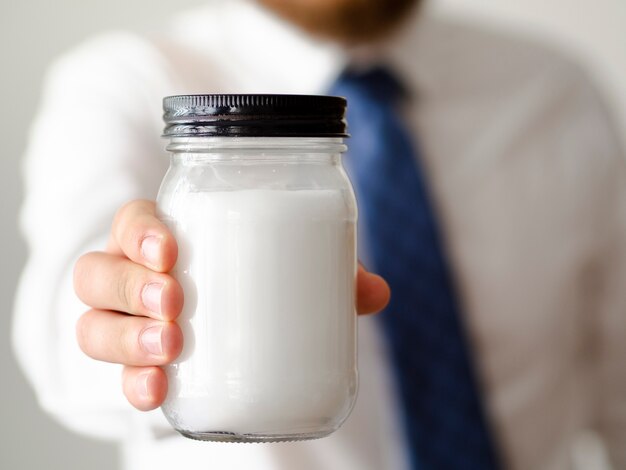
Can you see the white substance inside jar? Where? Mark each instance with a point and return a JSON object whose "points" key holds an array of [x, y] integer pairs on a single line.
{"points": [[268, 277]]}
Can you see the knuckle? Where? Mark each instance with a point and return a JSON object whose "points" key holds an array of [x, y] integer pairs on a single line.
{"points": [[118, 220], [105, 339], [125, 227], [122, 292], [122, 213], [128, 285], [127, 343]]}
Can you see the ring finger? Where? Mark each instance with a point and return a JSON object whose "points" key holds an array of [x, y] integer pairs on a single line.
{"points": [[126, 339]]}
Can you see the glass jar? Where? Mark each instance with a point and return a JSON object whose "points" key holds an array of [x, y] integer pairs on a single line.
{"points": [[264, 216]]}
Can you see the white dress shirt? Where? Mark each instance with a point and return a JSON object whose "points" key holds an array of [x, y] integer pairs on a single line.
{"points": [[526, 173]]}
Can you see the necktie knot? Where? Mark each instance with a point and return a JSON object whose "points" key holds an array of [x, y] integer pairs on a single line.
{"points": [[377, 83]]}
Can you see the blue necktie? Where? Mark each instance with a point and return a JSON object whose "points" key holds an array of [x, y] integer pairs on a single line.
{"points": [[444, 419]]}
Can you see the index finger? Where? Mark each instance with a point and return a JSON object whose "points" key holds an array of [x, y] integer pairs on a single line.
{"points": [[139, 235]]}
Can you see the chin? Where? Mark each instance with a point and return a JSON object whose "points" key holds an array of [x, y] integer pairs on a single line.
{"points": [[348, 21]]}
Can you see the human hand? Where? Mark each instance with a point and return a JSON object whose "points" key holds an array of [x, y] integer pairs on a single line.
{"points": [[134, 302]]}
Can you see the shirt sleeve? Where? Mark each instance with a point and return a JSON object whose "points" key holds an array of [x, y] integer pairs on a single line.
{"points": [[93, 146]]}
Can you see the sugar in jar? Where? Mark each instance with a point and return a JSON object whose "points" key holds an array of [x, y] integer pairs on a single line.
{"points": [[264, 216]]}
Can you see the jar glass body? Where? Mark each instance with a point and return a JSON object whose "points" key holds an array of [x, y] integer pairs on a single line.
{"points": [[267, 260]]}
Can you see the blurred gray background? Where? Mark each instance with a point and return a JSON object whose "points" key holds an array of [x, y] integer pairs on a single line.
{"points": [[33, 33]]}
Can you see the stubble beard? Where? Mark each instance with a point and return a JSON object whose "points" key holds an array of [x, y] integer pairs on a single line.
{"points": [[347, 21]]}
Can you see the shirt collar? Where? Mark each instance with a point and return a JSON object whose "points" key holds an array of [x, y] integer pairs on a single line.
{"points": [[258, 52]]}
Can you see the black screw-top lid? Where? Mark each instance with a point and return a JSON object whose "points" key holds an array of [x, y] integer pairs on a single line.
{"points": [[254, 116]]}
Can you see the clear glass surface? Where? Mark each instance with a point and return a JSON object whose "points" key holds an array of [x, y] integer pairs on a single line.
{"points": [[267, 261]]}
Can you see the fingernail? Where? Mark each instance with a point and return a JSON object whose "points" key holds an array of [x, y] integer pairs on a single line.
{"points": [[141, 385], [150, 249], [151, 340], [151, 297]]}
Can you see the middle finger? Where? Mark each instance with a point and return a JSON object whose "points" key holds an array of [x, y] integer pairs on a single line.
{"points": [[112, 282]]}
